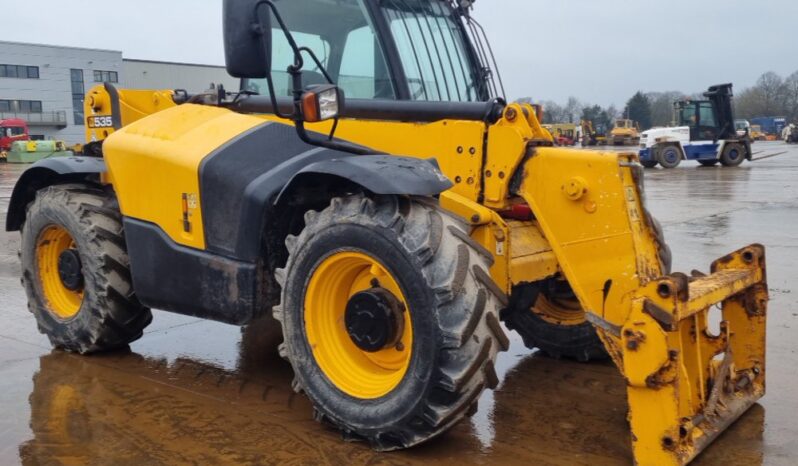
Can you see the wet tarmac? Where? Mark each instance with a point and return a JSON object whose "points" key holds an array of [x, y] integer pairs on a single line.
{"points": [[198, 392]]}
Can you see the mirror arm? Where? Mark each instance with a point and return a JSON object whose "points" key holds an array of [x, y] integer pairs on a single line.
{"points": [[295, 70]]}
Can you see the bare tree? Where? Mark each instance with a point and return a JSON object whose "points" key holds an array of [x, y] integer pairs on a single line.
{"points": [[572, 110], [662, 106], [791, 97]]}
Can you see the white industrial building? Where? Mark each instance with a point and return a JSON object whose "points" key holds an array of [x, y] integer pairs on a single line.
{"points": [[45, 84]]}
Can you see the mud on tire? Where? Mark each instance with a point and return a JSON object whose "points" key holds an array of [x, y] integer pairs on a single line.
{"points": [[453, 308], [109, 316]]}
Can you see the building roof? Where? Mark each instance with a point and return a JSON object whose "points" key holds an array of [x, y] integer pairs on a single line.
{"points": [[159, 62], [69, 47]]}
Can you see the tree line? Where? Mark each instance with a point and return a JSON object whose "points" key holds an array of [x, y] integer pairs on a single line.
{"points": [[772, 95]]}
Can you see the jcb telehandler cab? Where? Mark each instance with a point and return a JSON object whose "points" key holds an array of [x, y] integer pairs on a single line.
{"points": [[369, 187]]}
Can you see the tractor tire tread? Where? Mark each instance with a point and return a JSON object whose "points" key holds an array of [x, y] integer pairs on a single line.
{"points": [[115, 316], [466, 311]]}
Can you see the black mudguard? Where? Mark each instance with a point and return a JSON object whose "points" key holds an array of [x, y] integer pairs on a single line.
{"points": [[242, 182], [45, 173]]}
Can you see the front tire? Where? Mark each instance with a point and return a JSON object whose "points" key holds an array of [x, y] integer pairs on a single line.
{"points": [[669, 156], [433, 280], [75, 270], [733, 155]]}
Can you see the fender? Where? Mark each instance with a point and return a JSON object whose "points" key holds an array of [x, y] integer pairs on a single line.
{"points": [[245, 183], [46, 173], [380, 174]]}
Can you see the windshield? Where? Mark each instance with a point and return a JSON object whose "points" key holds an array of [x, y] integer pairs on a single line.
{"points": [[431, 51]]}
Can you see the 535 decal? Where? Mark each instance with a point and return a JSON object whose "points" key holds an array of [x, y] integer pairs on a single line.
{"points": [[101, 121]]}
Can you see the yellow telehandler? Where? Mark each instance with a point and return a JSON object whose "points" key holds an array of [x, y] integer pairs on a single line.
{"points": [[369, 186]]}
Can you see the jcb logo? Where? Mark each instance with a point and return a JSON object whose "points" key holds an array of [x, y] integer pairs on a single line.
{"points": [[101, 122]]}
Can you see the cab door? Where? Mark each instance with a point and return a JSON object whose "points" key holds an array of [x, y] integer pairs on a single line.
{"points": [[707, 129]]}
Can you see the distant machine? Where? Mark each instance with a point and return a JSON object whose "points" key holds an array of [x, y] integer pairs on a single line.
{"points": [[771, 126], [593, 135], [12, 130], [790, 134], [743, 128], [706, 132], [565, 134], [625, 133]]}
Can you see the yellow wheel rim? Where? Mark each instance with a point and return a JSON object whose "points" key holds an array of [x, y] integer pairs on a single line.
{"points": [[559, 311], [60, 300], [358, 373]]}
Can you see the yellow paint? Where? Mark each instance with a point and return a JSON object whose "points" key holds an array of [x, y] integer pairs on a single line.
{"points": [[531, 257], [355, 372], [133, 106], [468, 210], [589, 228], [456, 145], [156, 160], [62, 302]]}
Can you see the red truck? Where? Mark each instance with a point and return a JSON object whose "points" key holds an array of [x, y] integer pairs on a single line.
{"points": [[12, 130]]}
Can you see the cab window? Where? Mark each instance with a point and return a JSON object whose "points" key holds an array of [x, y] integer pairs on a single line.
{"points": [[432, 50], [342, 37], [706, 115]]}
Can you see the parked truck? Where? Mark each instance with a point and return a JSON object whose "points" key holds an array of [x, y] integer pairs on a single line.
{"points": [[12, 130]]}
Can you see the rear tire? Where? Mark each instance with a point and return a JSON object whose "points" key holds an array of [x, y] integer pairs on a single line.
{"points": [[649, 163], [733, 155], [573, 337], [669, 156], [449, 302], [102, 312]]}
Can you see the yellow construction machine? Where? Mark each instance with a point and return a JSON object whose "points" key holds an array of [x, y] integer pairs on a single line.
{"points": [[591, 136], [386, 205], [625, 133]]}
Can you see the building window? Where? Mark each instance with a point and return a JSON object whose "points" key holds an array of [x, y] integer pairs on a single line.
{"points": [[78, 93], [21, 106], [106, 76], [19, 71]]}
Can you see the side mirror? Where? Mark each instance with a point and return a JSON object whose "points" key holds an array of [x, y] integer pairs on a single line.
{"points": [[247, 39], [321, 103]]}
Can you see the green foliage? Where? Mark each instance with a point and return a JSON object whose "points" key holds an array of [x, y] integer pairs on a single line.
{"points": [[601, 118], [639, 109]]}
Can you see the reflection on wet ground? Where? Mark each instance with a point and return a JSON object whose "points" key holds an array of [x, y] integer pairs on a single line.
{"points": [[196, 392]]}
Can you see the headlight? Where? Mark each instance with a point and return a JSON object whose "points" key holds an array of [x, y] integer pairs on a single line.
{"points": [[322, 103]]}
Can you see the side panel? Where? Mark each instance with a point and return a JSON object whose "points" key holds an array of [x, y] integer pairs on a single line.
{"points": [[701, 151], [458, 146], [154, 165], [179, 279]]}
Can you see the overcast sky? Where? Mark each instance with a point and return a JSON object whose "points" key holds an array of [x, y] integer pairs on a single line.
{"points": [[599, 51]]}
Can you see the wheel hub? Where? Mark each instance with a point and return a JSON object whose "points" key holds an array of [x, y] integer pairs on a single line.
{"points": [[70, 269], [374, 320]]}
